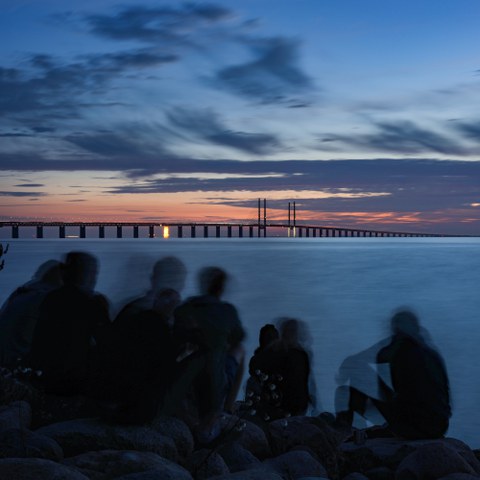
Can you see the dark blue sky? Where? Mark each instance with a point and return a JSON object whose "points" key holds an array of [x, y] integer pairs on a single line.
{"points": [[364, 113]]}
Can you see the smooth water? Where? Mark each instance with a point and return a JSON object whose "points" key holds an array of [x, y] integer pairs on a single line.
{"points": [[344, 288]]}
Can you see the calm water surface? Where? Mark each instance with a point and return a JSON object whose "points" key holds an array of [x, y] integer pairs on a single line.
{"points": [[344, 288]]}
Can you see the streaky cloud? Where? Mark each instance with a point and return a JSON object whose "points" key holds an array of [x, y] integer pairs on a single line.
{"points": [[207, 125]]}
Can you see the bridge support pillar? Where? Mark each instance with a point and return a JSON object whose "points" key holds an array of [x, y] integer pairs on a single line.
{"points": [[229, 231], [193, 231], [101, 231], [217, 231], [300, 232], [61, 231], [83, 231], [307, 231], [205, 231], [119, 231], [314, 232], [135, 231], [240, 231], [14, 231], [151, 231], [250, 231], [39, 232]]}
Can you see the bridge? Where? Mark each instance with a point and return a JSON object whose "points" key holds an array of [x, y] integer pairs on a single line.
{"points": [[210, 229]]}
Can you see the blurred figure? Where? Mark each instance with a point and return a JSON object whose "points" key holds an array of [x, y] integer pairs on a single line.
{"points": [[215, 328], [282, 372], [139, 361], [135, 354], [19, 313], [69, 320], [417, 405]]}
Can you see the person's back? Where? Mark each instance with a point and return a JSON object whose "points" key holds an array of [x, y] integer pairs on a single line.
{"points": [[19, 313], [64, 334], [421, 393]]}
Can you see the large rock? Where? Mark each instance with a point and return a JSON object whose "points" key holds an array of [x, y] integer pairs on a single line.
{"points": [[432, 461], [22, 443], [86, 435], [178, 473], [247, 434], [296, 464], [16, 415], [319, 437], [36, 469], [390, 452], [260, 474], [108, 464], [178, 431], [238, 458], [205, 464]]}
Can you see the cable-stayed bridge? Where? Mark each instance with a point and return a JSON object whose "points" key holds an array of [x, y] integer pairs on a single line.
{"points": [[187, 229]]}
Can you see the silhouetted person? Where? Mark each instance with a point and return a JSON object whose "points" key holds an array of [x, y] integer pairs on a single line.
{"points": [[418, 404], [214, 326], [69, 320], [282, 370], [19, 313], [139, 361]]}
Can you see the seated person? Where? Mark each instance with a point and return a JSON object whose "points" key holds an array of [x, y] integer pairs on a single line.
{"points": [[418, 404], [69, 319], [282, 370]]}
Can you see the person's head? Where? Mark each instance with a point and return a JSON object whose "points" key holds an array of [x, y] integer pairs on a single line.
{"points": [[212, 281], [268, 335], [405, 322], [80, 269], [49, 272], [168, 272], [289, 331]]}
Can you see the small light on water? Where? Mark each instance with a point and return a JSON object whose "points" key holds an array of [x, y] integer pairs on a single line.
{"points": [[166, 232]]}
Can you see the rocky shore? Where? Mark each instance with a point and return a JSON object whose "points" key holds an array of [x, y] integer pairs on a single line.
{"points": [[46, 437]]}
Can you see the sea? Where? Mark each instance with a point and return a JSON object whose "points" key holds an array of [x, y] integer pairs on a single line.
{"points": [[343, 289]]}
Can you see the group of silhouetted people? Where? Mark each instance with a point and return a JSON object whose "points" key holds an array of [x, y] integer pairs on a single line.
{"points": [[162, 356]]}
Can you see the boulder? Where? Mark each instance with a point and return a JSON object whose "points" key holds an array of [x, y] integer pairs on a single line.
{"points": [[22, 443], [238, 458], [206, 463], [107, 464], [390, 452], [380, 473], [86, 435], [432, 461], [172, 473], [247, 434], [296, 464], [460, 476], [178, 431], [260, 474], [36, 469], [310, 432], [17, 414]]}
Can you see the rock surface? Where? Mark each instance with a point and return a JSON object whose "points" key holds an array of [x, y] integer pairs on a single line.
{"points": [[16, 415], [22, 443], [296, 464], [86, 435], [205, 464], [178, 431], [36, 469], [107, 464]]}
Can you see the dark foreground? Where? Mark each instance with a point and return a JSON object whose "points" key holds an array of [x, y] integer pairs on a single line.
{"points": [[55, 438]]}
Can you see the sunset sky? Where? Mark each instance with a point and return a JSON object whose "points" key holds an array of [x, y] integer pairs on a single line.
{"points": [[365, 112]]}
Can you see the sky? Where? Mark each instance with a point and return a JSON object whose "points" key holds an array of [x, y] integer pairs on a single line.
{"points": [[365, 113]]}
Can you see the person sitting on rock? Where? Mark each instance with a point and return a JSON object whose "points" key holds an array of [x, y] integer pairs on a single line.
{"points": [[215, 328], [19, 313], [69, 319], [418, 404], [282, 371]]}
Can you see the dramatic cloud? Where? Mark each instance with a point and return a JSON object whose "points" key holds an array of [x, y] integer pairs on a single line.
{"points": [[403, 137], [273, 76], [153, 25], [207, 125], [30, 185]]}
